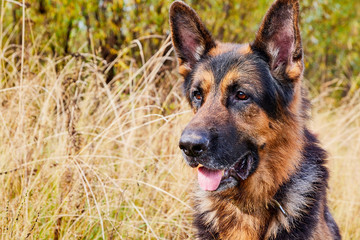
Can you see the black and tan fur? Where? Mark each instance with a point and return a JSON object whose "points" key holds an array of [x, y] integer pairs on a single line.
{"points": [[250, 115]]}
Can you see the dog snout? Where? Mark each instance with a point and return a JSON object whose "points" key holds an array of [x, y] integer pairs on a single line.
{"points": [[194, 143]]}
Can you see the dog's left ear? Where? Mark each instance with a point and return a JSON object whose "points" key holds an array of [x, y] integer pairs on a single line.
{"points": [[279, 39], [191, 39]]}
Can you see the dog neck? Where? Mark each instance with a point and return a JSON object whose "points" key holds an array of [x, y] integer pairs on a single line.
{"points": [[227, 215]]}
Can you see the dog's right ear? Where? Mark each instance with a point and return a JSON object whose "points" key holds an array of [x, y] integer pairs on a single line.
{"points": [[190, 38], [279, 39]]}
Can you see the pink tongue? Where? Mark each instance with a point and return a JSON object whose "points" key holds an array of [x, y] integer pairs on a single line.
{"points": [[209, 180]]}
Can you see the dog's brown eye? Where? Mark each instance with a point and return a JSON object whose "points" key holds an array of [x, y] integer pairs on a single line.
{"points": [[197, 95], [241, 96]]}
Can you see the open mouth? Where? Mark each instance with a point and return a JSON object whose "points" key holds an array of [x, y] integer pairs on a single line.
{"points": [[221, 179]]}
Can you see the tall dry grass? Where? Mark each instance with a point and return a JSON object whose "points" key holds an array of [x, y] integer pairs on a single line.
{"points": [[82, 159], [339, 131]]}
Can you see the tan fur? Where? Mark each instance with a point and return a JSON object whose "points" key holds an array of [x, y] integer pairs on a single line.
{"points": [[226, 218], [294, 70], [243, 77], [206, 80], [184, 68], [279, 158], [245, 49], [227, 47]]}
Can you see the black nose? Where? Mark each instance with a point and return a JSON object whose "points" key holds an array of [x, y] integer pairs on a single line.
{"points": [[194, 143]]}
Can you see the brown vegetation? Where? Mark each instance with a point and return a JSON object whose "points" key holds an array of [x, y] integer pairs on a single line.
{"points": [[82, 159]]}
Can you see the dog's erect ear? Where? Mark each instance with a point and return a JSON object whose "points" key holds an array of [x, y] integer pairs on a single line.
{"points": [[190, 38], [279, 39]]}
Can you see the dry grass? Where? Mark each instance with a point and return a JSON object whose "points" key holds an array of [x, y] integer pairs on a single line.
{"points": [[339, 132], [81, 159]]}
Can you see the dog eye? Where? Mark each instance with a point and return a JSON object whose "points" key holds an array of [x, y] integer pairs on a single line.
{"points": [[197, 95], [241, 96]]}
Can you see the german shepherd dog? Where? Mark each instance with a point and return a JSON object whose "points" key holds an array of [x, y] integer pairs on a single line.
{"points": [[261, 172]]}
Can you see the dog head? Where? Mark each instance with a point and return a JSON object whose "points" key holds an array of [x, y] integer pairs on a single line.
{"points": [[243, 95]]}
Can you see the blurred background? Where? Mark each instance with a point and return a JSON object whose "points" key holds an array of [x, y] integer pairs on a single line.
{"points": [[330, 30], [91, 112]]}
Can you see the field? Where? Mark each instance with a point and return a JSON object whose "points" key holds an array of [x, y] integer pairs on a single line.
{"points": [[82, 157]]}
